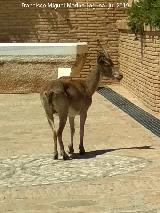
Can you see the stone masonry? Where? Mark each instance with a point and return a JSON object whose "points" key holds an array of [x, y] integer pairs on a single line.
{"points": [[140, 64], [28, 74]]}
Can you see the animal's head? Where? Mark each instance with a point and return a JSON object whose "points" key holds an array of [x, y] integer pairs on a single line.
{"points": [[106, 66]]}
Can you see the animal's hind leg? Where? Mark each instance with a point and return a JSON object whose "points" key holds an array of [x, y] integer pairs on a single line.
{"points": [[72, 129], [51, 123], [62, 123], [49, 113]]}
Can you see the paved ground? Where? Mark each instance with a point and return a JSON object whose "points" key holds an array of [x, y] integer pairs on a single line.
{"points": [[119, 174]]}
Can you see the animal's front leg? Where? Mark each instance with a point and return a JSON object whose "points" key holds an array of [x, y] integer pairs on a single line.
{"points": [[83, 117], [72, 129]]}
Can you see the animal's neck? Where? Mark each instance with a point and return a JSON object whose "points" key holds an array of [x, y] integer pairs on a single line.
{"points": [[93, 80]]}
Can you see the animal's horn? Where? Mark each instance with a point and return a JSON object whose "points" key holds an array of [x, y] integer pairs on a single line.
{"points": [[100, 45]]}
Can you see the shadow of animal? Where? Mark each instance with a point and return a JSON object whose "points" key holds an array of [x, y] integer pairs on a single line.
{"points": [[95, 153]]}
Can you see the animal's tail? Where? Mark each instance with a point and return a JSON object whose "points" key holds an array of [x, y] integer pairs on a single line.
{"points": [[46, 100]]}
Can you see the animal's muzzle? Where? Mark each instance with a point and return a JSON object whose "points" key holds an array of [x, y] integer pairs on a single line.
{"points": [[120, 77]]}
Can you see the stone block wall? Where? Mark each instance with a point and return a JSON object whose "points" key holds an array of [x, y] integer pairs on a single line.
{"points": [[45, 24], [140, 64], [29, 74]]}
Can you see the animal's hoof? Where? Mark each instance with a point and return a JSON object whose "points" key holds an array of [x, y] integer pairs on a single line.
{"points": [[66, 157], [72, 156], [70, 150], [82, 151], [55, 156]]}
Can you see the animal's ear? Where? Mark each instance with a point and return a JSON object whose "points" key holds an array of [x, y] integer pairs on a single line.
{"points": [[104, 58], [110, 61], [100, 58]]}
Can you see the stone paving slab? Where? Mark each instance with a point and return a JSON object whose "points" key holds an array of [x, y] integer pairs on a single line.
{"points": [[121, 168]]}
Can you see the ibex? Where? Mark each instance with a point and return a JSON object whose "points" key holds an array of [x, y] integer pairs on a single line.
{"points": [[68, 98]]}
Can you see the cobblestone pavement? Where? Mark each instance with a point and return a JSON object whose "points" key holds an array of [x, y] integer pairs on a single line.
{"points": [[120, 172], [31, 170]]}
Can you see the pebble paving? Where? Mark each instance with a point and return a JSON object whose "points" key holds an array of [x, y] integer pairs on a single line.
{"points": [[29, 170]]}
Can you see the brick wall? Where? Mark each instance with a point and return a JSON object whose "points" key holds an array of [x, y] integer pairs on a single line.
{"points": [[140, 64], [63, 25]]}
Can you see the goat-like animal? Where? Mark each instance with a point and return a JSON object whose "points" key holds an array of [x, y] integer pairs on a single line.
{"points": [[68, 98]]}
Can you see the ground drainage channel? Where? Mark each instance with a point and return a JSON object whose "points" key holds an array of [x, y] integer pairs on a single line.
{"points": [[144, 118]]}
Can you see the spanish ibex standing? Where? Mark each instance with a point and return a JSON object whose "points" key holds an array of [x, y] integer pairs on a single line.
{"points": [[69, 98]]}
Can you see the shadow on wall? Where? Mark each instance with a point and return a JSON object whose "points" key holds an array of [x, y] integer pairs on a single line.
{"points": [[30, 24]]}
